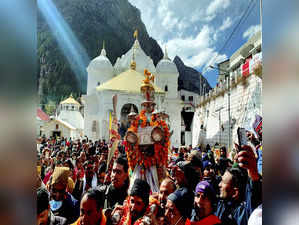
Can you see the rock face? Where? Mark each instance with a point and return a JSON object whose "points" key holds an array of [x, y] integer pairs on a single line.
{"points": [[190, 79], [92, 22]]}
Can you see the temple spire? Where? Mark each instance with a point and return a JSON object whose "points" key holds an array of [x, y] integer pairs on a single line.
{"points": [[103, 52], [166, 54]]}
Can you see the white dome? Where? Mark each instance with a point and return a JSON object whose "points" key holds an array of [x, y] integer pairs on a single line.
{"points": [[166, 66], [101, 63]]}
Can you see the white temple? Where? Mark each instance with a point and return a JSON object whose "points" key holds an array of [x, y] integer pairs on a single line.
{"points": [[69, 122], [124, 79]]}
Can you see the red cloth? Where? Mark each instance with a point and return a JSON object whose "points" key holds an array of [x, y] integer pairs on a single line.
{"points": [[47, 177], [81, 171], [210, 220], [245, 69]]}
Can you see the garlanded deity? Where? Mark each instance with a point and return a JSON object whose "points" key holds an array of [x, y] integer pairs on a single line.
{"points": [[147, 139]]}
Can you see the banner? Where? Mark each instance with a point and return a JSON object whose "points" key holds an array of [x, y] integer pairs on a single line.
{"points": [[245, 68]]}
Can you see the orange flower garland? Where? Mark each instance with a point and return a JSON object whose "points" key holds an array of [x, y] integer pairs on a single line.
{"points": [[135, 156]]}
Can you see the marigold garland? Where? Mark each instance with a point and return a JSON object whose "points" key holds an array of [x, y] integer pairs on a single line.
{"points": [[135, 156]]}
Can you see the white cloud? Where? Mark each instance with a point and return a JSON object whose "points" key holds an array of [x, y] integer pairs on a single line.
{"points": [[217, 5], [226, 24], [215, 36], [169, 16], [191, 29], [194, 51], [251, 31]]}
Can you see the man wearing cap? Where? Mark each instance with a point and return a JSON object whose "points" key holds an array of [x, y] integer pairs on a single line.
{"points": [[178, 207], [136, 204], [166, 188], [62, 203], [160, 199], [204, 205], [210, 176], [44, 214], [185, 175], [240, 195], [91, 209], [186, 179]]}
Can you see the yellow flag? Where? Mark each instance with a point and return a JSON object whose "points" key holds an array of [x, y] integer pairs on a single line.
{"points": [[110, 121], [135, 34]]}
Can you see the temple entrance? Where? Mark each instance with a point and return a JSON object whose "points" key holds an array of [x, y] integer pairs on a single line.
{"points": [[56, 134], [186, 136], [124, 124]]}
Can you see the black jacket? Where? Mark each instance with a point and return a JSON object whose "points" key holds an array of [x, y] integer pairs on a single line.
{"points": [[237, 213], [113, 196]]}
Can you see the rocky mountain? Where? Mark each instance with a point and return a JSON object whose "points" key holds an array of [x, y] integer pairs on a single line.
{"points": [[190, 79], [92, 22]]}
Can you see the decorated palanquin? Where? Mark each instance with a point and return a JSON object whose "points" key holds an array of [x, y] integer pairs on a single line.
{"points": [[147, 139]]}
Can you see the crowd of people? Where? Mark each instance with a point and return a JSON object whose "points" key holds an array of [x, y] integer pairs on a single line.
{"points": [[76, 186]]}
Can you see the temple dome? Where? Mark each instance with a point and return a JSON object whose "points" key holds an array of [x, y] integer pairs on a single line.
{"points": [[101, 63], [166, 66]]}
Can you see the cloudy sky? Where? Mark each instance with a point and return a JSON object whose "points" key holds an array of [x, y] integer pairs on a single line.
{"points": [[196, 30]]}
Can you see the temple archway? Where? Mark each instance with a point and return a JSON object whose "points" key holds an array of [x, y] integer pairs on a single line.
{"points": [[124, 124]]}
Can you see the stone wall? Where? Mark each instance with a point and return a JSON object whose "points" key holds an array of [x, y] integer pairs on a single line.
{"points": [[211, 117]]}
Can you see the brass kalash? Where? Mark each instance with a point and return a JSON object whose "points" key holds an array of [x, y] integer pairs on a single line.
{"points": [[147, 139]]}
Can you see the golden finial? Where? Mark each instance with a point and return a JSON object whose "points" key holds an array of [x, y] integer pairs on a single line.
{"points": [[135, 34], [103, 44], [133, 63]]}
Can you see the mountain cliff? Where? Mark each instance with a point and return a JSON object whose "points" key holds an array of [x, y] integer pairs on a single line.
{"points": [[190, 79]]}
